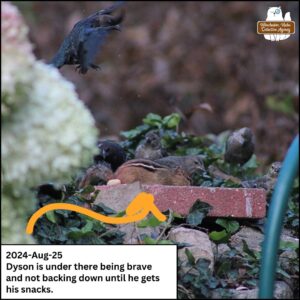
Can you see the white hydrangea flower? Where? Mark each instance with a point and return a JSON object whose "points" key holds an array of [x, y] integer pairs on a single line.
{"points": [[16, 53], [50, 136], [47, 133], [13, 223]]}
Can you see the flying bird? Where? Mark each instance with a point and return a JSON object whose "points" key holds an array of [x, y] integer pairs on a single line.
{"points": [[86, 38]]}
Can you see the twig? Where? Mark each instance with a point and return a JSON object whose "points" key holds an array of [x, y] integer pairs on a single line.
{"points": [[166, 227]]}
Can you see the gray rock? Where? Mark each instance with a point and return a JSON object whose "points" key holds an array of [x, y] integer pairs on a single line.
{"points": [[132, 232], [220, 249], [117, 197], [252, 237], [201, 246], [286, 260]]}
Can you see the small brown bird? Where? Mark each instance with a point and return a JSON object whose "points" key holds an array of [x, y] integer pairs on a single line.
{"points": [[150, 147], [239, 146], [98, 174], [189, 163], [266, 182], [150, 172]]}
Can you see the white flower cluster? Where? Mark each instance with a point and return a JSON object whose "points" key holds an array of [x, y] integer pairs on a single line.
{"points": [[47, 133], [51, 134], [17, 58]]}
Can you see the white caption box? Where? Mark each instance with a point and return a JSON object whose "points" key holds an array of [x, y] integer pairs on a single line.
{"points": [[89, 272]]}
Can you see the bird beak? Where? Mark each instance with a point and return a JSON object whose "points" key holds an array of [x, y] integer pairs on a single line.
{"points": [[117, 27], [201, 168]]}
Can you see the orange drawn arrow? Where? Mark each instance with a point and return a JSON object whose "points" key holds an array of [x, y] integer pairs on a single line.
{"points": [[137, 210]]}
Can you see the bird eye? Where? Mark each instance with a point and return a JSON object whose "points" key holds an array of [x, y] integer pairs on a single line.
{"points": [[277, 11]]}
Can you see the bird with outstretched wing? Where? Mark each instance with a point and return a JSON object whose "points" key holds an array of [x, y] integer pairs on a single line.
{"points": [[86, 38]]}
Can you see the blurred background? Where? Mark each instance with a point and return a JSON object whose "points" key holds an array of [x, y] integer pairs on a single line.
{"points": [[203, 60]]}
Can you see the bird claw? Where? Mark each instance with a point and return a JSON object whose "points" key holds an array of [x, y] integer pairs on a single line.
{"points": [[82, 71], [95, 67]]}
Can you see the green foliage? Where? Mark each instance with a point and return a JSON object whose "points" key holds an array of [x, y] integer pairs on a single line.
{"points": [[223, 236], [197, 212], [195, 278], [68, 227], [281, 104], [150, 241], [149, 222], [232, 269]]}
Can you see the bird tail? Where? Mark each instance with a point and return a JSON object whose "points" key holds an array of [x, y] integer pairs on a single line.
{"points": [[114, 20], [112, 8]]}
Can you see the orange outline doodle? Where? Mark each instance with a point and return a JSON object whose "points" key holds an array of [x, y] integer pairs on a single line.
{"points": [[137, 210]]}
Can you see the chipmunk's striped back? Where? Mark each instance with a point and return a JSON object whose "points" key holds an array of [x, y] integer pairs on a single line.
{"points": [[149, 172]]}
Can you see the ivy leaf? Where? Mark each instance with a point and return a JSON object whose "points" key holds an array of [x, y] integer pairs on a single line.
{"points": [[193, 151], [198, 212], [284, 105], [88, 190], [87, 227], [230, 225], [251, 163], [171, 121], [288, 245], [224, 267], [51, 216], [133, 133], [102, 208], [153, 120], [151, 221], [165, 242], [149, 241], [248, 251], [219, 236], [75, 233], [177, 215], [282, 272], [202, 265], [190, 257]]}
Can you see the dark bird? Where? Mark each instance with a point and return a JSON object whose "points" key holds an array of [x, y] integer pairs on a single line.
{"points": [[98, 174], [85, 39], [49, 190], [110, 152], [150, 147], [267, 181], [149, 172], [239, 146], [189, 163]]}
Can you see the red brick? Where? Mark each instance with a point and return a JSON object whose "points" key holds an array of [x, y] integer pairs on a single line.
{"points": [[226, 202]]}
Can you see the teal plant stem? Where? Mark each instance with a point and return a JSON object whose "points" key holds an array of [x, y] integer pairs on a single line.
{"points": [[275, 219]]}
